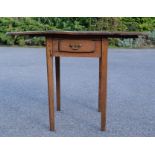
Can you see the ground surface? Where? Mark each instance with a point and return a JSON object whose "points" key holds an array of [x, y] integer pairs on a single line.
{"points": [[131, 94]]}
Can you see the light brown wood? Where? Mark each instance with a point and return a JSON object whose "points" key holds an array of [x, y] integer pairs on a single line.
{"points": [[76, 45], [49, 59], [91, 48], [57, 70], [103, 82]]}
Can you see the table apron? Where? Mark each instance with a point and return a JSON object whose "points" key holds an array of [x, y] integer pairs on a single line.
{"points": [[76, 47]]}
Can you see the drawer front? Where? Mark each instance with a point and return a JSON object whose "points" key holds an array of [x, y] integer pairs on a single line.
{"points": [[77, 47]]}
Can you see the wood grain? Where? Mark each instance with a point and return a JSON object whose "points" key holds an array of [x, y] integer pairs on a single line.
{"points": [[49, 59], [76, 45], [59, 34], [93, 44], [66, 44], [103, 83]]}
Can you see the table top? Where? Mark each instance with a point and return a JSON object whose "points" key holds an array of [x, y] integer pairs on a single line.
{"points": [[106, 34]]}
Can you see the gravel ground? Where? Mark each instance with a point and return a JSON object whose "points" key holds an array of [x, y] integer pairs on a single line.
{"points": [[130, 103]]}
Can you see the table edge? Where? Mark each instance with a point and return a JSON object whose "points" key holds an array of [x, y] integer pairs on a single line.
{"points": [[117, 34]]}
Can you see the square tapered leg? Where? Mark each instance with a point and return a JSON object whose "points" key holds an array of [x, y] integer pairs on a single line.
{"points": [[49, 59], [103, 82]]}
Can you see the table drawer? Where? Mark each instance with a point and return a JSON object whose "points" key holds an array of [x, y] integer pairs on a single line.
{"points": [[77, 47]]}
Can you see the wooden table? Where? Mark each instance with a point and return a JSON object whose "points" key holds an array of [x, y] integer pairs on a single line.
{"points": [[77, 44]]}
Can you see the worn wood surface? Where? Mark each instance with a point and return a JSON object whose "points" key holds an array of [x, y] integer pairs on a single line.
{"points": [[91, 48], [60, 34], [50, 78], [103, 83], [77, 44]]}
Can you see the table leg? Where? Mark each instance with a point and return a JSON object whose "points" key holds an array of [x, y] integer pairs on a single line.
{"points": [[99, 86], [57, 69], [103, 82], [49, 59]]}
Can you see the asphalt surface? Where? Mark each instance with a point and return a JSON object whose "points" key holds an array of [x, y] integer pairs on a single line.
{"points": [[130, 103]]}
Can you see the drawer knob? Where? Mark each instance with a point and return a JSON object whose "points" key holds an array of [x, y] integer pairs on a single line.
{"points": [[75, 46]]}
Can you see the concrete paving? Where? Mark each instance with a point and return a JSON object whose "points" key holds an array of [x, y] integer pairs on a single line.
{"points": [[130, 103]]}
